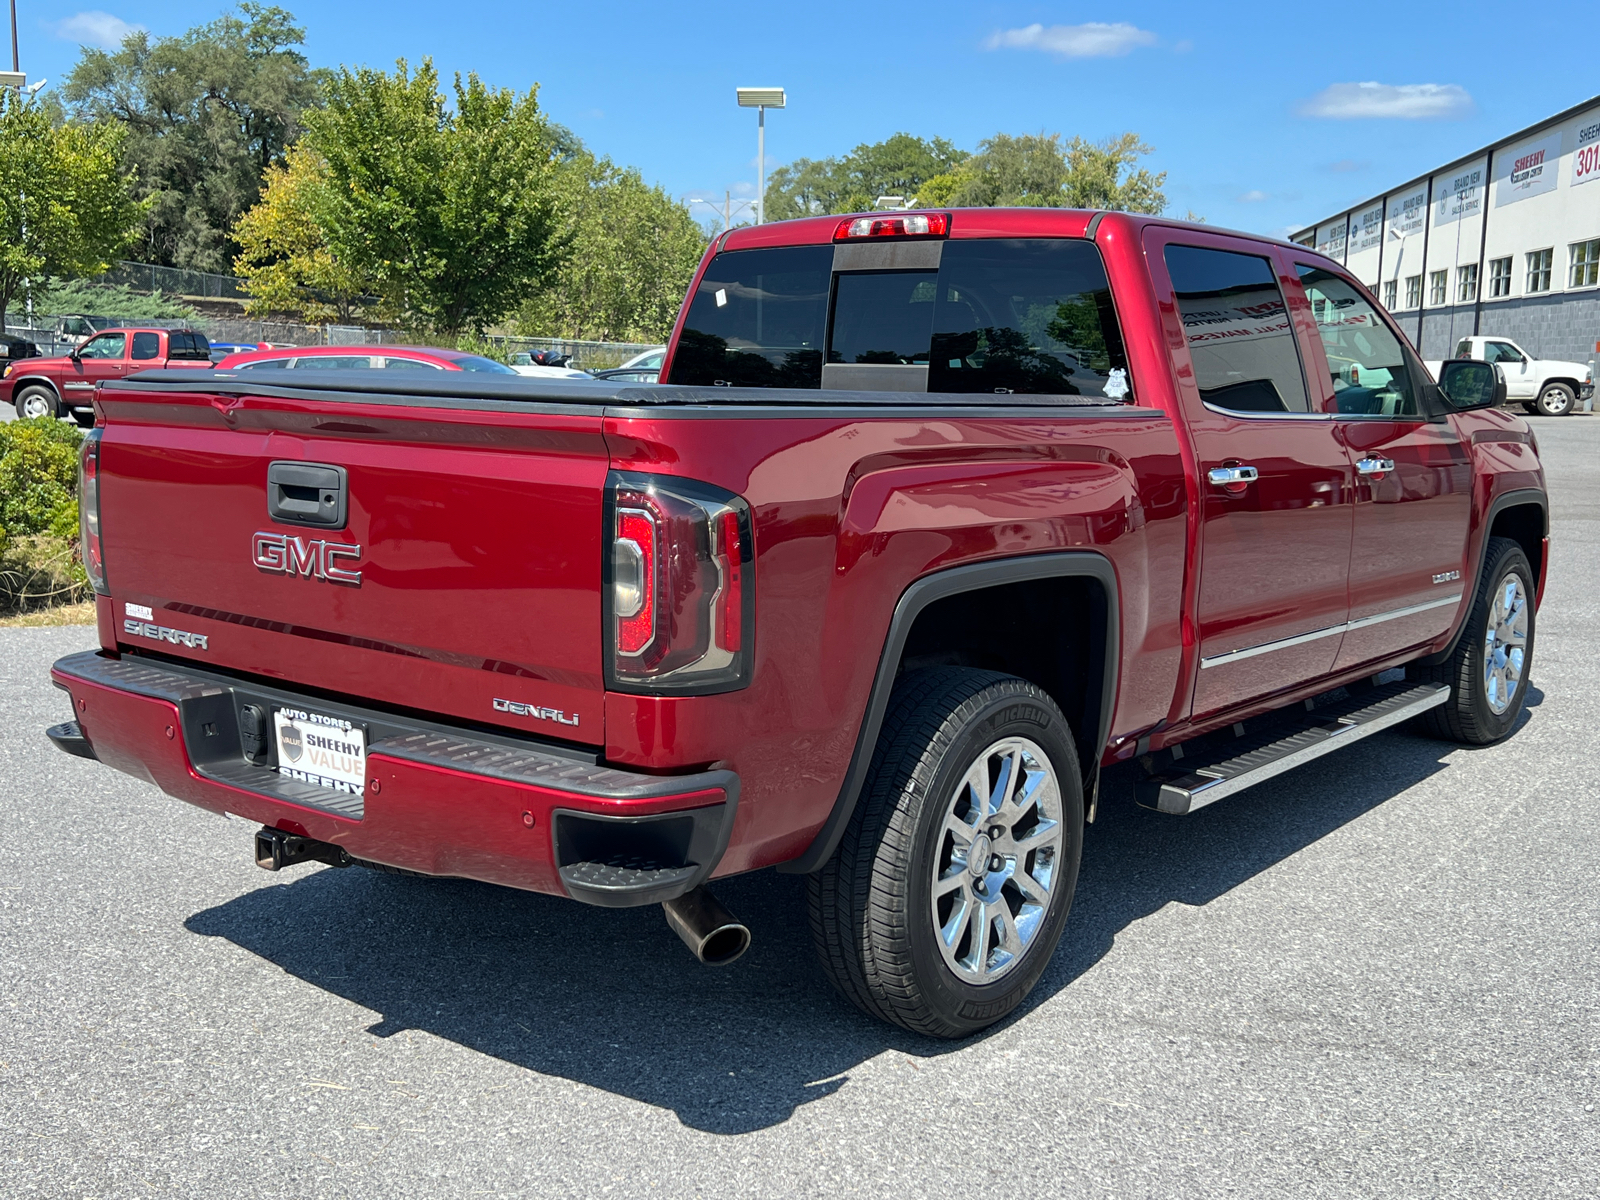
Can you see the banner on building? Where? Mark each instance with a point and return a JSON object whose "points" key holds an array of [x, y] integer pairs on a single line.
{"points": [[1331, 238], [1458, 197], [1586, 161], [1366, 228], [1408, 213], [1527, 170]]}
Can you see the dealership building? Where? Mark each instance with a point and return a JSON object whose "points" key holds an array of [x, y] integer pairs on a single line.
{"points": [[1503, 242]]}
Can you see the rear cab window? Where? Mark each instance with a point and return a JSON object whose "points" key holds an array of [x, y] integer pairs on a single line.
{"points": [[997, 317]]}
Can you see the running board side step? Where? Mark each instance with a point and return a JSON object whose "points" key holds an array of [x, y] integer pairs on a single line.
{"points": [[1180, 792]]}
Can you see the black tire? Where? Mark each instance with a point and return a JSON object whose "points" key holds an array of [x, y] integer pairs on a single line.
{"points": [[872, 905], [1529, 407], [40, 396], [1468, 716], [1556, 400], [85, 420]]}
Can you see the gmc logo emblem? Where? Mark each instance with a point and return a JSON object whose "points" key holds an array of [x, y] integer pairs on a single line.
{"points": [[280, 554]]}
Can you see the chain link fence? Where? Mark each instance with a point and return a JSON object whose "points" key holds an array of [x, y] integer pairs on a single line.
{"points": [[174, 281]]}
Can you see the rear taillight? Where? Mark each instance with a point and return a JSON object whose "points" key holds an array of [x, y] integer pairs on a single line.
{"points": [[680, 601], [900, 225], [94, 561]]}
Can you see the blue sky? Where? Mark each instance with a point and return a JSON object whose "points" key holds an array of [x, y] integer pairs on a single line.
{"points": [[1265, 116]]}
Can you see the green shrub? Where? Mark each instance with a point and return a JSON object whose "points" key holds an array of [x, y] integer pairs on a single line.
{"points": [[39, 514]]}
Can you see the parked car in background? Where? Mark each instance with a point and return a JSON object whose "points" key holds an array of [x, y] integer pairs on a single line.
{"points": [[77, 329], [546, 364], [1547, 386], [641, 368], [12, 346], [221, 350], [361, 358], [64, 385]]}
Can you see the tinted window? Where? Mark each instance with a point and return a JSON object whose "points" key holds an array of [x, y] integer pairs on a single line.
{"points": [[266, 364], [1238, 331], [146, 345], [883, 317], [408, 364], [1031, 316], [335, 362], [472, 362], [107, 345], [1365, 361], [757, 320]]}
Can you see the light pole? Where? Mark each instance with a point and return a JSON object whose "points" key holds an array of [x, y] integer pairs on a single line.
{"points": [[759, 99], [16, 63]]}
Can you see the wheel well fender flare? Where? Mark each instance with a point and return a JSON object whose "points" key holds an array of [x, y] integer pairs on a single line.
{"points": [[918, 596], [35, 381], [1571, 384], [1519, 498]]}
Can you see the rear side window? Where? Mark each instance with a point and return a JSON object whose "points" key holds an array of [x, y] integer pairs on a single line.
{"points": [[1238, 331], [1026, 315], [146, 346], [265, 364], [757, 320], [336, 362]]}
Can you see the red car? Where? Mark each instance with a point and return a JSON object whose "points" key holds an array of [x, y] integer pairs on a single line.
{"points": [[58, 387], [934, 516], [379, 358]]}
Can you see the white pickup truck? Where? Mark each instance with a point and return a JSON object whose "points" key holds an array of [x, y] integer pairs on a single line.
{"points": [[1540, 385]]}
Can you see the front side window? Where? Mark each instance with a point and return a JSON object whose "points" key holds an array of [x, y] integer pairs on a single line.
{"points": [[1413, 290], [1237, 327], [146, 346], [1365, 360], [1539, 270], [107, 345], [757, 320], [1026, 315], [1438, 286], [471, 362], [1467, 283], [1500, 277], [1391, 292], [1496, 352], [1585, 259]]}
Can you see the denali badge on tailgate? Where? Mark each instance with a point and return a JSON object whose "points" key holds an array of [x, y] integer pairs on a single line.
{"points": [[312, 559]]}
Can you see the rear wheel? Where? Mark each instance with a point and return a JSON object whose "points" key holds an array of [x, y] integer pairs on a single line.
{"points": [[36, 401], [1556, 400], [951, 886], [1489, 668]]}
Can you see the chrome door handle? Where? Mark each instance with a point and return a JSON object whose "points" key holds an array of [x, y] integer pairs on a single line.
{"points": [[1222, 476], [1375, 466]]}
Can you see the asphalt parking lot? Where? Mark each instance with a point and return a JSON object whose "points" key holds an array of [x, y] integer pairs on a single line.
{"points": [[1376, 976]]}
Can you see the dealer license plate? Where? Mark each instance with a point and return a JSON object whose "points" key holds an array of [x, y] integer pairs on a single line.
{"points": [[315, 748]]}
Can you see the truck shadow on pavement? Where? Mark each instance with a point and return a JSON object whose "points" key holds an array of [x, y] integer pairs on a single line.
{"points": [[611, 999]]}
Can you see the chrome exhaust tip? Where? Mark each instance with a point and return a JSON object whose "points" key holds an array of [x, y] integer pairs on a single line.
{"points": [[713, 934]]}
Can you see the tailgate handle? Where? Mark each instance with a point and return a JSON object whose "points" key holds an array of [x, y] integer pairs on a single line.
{"points": [[301, 493]]}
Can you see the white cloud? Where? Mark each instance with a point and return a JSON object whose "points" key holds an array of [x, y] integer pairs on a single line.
{"points": [[1405, 102], [1094, 40], [95, 28], [1253, 196]]}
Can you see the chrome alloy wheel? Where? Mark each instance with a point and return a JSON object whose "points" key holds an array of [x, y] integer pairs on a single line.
{"points": [[995, 863], [1505, 643]]}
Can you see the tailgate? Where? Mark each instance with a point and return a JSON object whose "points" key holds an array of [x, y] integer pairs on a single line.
{"points": [[464, 581]]}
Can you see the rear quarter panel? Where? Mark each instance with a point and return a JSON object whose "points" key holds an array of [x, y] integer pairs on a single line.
{"points": [[849, 509]]}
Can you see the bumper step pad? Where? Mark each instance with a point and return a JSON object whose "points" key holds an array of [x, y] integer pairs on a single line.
{"points": [[1321, 731]]}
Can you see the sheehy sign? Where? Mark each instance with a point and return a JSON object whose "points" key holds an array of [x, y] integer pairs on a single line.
{"points": [[1527, 170]]}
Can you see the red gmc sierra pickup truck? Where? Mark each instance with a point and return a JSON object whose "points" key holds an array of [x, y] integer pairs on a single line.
{"points": [[934, 516]]}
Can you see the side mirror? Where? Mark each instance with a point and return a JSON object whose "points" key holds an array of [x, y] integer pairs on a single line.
{"points": [[1468, 384]]}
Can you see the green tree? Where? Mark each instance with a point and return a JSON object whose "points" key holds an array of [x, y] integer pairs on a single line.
{"points": [[453, 212], [284, 258], [206, 114], [1039, 170], [633, 252], [64, 206], [896, 166]]}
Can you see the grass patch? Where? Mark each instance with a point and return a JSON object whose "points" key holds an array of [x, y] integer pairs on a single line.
{"points": [[61, 614]]}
